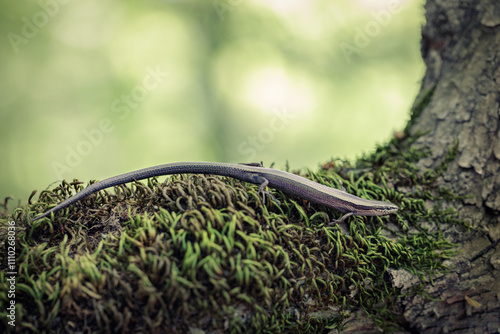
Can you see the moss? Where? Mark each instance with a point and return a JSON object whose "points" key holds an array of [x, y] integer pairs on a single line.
{"points": [[419, 106], [204, 252]]}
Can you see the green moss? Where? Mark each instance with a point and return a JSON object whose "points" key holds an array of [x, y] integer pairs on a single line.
{"points": [[417, 109], [205, 252]]}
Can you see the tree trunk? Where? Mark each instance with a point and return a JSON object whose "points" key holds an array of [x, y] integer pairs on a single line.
{"points": [[460, 46]]}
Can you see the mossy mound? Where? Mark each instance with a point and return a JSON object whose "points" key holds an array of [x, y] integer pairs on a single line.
{"points": [[202, 253]]}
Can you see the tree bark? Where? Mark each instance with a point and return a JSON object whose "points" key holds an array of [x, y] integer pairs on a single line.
{"points": [[460, 46]]}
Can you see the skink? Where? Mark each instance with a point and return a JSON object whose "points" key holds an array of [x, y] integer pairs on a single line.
{"points": [[254, 173]]}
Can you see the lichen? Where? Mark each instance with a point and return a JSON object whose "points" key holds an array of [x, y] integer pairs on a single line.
{"points": [[204, 252]]}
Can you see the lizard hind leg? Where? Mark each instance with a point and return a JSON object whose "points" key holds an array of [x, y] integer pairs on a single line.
{"points": [[262, 189], [251, 164]]}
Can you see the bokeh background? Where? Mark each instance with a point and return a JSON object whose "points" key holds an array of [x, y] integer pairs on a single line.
{"points": [[91, 89]]}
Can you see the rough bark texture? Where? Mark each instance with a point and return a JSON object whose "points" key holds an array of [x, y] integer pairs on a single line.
{"points": [[460, 45]]}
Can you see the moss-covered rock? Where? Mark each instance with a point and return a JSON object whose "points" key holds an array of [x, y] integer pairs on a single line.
{"points": [[204, 254]]}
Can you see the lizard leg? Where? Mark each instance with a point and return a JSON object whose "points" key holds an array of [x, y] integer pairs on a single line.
{"points": [[262, 188], [344, 217], [252, 164]]}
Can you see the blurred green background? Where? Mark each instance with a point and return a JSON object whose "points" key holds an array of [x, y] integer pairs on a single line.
{"points": [[97, 88]]}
